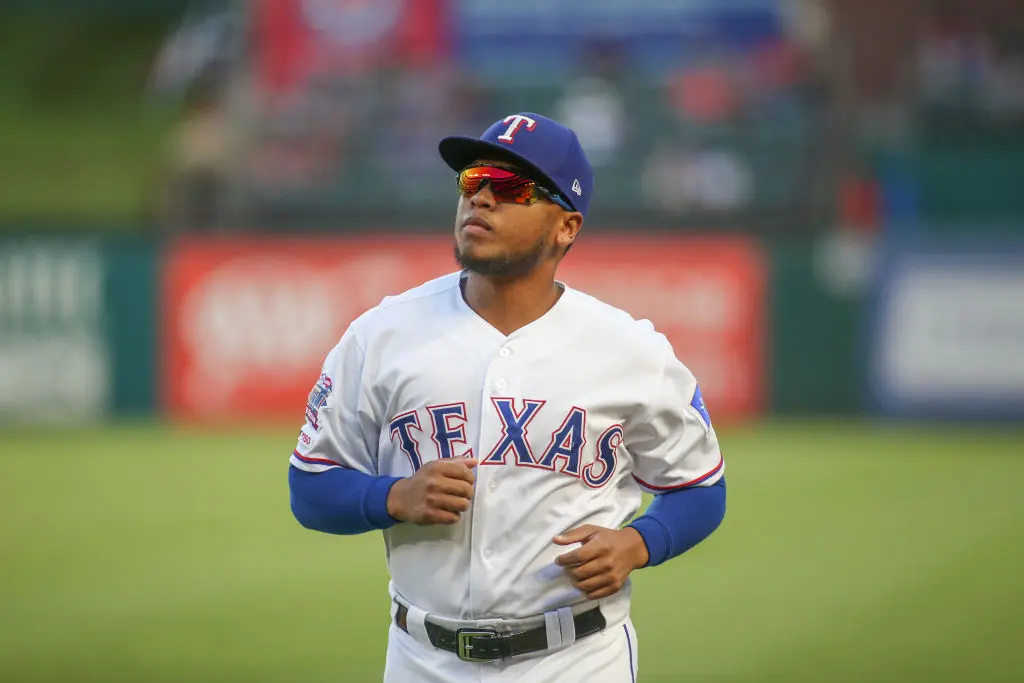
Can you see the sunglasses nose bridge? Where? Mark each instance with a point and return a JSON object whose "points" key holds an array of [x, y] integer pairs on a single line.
{"points": [[484, 195]]}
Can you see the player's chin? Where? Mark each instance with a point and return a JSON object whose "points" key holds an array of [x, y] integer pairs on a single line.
{"points": [[478, 257], [481, 244]]}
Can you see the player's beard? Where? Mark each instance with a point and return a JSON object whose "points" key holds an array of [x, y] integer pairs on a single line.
{"points": [[507, 264]]}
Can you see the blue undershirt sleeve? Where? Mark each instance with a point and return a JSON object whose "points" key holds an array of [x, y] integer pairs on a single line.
{"points": [[340, 500], [675, 522]]}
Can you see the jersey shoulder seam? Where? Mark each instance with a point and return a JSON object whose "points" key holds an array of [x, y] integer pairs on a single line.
{"points": [[412, 295], [622, 319], [361, 324], [364, 324]]}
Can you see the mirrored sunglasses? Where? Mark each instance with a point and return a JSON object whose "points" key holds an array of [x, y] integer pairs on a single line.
{"points": [[506, 186]]}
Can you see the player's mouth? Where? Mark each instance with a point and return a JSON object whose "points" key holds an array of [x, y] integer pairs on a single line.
{"points": [[476, 225]]}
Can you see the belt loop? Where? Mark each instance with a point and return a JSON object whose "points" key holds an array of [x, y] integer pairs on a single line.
{"points": [[416, 621], [551, 624], [567, 624]]}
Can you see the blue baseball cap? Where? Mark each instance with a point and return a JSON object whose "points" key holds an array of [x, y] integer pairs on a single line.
{"points": [[544, 148]]}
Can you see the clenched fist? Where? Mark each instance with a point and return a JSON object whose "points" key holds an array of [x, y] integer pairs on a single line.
{"points": [[438, 493], [599, 567]]}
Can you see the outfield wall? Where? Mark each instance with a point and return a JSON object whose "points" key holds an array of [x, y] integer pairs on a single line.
{"points": [[236, 328], [946, 331], [77, 329]]}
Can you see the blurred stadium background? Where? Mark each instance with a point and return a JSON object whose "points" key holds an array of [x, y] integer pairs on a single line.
{"points": [[821, 202]]}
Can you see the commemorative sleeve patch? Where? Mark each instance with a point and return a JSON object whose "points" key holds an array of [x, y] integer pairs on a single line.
{"points": [[698, 405], [317, 399]]}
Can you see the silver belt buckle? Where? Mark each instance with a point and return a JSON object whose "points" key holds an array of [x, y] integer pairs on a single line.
{"points": [[465, 638]]}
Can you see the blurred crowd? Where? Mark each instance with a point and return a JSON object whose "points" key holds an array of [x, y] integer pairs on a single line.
{"points": [[967, 71], [703, 112]]}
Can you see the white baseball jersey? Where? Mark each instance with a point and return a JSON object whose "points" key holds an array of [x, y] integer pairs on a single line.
{"points": [[571, 417]]}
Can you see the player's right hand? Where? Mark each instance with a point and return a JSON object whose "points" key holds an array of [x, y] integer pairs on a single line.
{"points": [[437, 494]]}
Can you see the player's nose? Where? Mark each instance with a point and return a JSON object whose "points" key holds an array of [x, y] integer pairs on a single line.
{"points": [[484, 198]]}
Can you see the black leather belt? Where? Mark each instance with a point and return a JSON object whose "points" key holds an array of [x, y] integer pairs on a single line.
{"points": [[486, 645]]}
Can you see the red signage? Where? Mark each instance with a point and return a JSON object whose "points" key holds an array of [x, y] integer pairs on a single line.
{"points": [[247, 323]]}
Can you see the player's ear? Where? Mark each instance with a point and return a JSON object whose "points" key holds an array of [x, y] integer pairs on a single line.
{"points": [[569, 228]]}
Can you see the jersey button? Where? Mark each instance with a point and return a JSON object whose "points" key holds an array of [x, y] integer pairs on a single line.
{"points": [[506, 352], [501, 384], [488, 553], [492, 487]]}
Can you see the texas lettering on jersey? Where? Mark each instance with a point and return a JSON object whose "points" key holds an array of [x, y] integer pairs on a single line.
{"points": [[563, 452]]}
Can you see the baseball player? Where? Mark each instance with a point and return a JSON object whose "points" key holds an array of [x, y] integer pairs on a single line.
{"points": [[499, 427]]}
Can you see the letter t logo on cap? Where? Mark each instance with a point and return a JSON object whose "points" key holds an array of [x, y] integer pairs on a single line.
{"points": [[516, 121]]}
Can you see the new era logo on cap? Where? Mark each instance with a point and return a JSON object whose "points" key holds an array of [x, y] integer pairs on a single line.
{"points": [[549, 151]]}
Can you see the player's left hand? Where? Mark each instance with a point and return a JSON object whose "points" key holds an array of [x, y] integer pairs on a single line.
{"points": [[600, 566]]}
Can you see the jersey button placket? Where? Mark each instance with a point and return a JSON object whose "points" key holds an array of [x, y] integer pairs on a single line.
{"points": [[481, 582]]}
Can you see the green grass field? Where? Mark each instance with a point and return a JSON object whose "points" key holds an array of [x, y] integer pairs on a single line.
{"points": [[849, 553]]}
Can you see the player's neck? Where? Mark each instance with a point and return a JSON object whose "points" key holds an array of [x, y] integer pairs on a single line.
{"points": [[509, 304]]}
